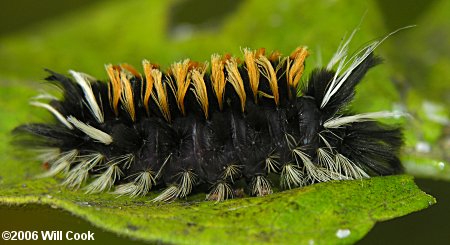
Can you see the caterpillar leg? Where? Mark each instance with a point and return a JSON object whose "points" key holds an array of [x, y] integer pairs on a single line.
{"points": [[291, 176], [220, 191], [260, 186], [186, 181], [140, 186]]}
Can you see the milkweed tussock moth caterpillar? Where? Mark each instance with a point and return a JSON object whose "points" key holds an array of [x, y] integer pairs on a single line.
{"points": [[215, 123]]}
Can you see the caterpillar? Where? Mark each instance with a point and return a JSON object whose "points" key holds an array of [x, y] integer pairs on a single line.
{"points": [[214, 126]]}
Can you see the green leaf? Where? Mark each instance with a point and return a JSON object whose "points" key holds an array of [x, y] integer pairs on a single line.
{"points": [[327, 213]]}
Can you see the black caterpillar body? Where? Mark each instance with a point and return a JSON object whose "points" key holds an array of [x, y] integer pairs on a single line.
{"points": [[193, 126]]}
